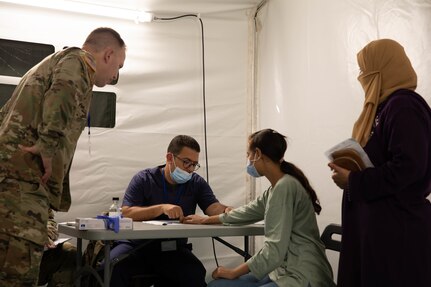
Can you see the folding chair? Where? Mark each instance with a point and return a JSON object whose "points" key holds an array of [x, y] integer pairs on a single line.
{"points": [[328, 240]]}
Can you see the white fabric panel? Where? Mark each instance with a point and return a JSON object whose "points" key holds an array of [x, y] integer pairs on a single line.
{"points": [[307, 74], [159, 95]]}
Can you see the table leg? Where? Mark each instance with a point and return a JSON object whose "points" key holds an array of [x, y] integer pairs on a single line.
{"points": [[244, 253], [78, 261], [107, 271], [246, 248]]}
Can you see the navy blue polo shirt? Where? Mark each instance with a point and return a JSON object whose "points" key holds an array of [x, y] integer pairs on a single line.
{"points": [[147, 188]]}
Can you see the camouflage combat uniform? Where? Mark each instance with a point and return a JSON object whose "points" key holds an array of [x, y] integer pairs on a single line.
{"points": [[48, 109], [58, 264]]}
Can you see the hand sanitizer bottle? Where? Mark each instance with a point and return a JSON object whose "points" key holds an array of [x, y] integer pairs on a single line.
{"points": [[115, 209]]}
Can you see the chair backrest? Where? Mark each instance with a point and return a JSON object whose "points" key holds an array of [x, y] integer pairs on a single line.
{"points": [[326, 237]]}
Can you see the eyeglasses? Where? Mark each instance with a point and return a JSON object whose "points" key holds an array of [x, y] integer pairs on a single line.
{"points": [[188, 163]]}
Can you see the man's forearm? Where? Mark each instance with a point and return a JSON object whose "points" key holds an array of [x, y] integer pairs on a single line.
{"points": [[217, 208], [138, 213]]}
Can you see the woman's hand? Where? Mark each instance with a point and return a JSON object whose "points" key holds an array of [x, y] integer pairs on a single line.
{"points": [[227, 273], [340, 175], [194, 219], [228, 208], [222, 272]]}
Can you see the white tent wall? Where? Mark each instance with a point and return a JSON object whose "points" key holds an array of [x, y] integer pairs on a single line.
{"points": [[159, 95], [307, 70]]}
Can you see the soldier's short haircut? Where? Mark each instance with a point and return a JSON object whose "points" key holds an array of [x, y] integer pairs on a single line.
{"points": [[103, 37], [181, 141]]}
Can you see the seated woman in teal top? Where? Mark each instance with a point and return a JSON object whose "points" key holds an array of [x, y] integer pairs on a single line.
{"points": [[292, 254]]}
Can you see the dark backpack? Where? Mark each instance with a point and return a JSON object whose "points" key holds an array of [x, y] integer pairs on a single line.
{"points": [[91, 259], [91, 272]]}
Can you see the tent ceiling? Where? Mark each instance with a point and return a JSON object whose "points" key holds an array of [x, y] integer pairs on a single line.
{"points": [[183, 6]]}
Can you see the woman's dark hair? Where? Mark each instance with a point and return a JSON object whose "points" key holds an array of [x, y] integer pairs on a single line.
{"points": [[274, 145]]}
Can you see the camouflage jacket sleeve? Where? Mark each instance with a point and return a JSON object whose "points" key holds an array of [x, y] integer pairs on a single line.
{"points": [[1, 115], [61, 103], [52, 227], [3, 111]]}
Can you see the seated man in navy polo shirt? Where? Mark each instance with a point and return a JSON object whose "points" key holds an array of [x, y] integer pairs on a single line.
{"points": [[170, 191]]}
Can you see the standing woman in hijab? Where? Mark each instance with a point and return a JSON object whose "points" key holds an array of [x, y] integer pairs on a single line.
{"points": [[386, 217]]}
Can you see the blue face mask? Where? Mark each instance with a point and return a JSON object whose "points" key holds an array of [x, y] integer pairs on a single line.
{"points": [[180, 176], [251, 169]]}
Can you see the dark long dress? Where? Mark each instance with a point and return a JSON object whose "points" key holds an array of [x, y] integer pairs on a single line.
{"points": [[386, 217]]}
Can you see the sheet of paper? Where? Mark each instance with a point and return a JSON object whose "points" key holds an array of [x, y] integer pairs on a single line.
{"points": [[352, 144], [162, 222], [56, 243], [61, 240]]}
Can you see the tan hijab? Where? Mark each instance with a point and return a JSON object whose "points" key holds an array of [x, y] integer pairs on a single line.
{"points": [[385, 68]]}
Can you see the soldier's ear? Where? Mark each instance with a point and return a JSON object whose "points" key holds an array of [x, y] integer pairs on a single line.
{"points": [[108, 54]]}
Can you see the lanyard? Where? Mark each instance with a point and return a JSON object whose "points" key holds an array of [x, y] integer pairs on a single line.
{"points": [[181, 188]]}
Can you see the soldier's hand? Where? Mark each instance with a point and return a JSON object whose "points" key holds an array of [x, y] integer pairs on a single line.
{"points": [[52, 232], [50, 244], [46, 161]]}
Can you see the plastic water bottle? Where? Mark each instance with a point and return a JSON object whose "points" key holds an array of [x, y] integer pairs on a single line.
{"points": [[115, 209]]}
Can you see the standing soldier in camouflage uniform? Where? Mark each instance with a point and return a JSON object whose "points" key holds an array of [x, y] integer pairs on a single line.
{"points": [[40, 126], [58, 261]]}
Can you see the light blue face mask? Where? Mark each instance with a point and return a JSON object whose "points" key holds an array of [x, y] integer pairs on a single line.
{"points": [[180, 176], [251, 169]]}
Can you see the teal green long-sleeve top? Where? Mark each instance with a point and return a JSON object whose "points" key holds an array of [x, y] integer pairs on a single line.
{"points": [[293, 254]]}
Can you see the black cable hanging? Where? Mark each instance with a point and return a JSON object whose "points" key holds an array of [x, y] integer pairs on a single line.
{"points": [[203, 82], [203, 99]]}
